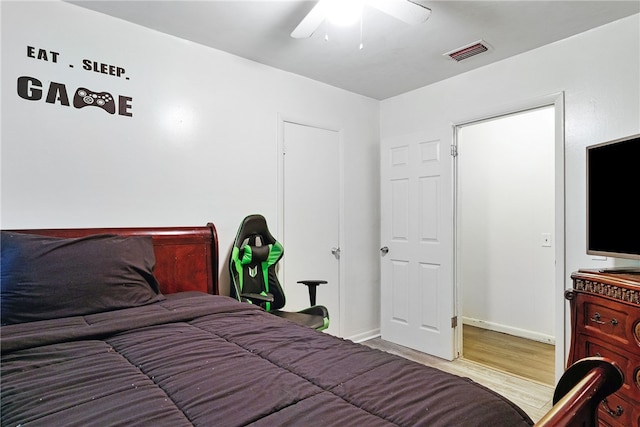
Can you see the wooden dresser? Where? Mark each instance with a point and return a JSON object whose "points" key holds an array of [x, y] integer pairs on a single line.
{"points": [[605, 321]]}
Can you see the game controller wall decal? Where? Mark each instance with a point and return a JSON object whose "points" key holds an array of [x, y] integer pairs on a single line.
{"points": [[85, 97]]}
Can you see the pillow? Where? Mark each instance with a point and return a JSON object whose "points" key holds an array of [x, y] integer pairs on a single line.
{"points": [[48, 277]]}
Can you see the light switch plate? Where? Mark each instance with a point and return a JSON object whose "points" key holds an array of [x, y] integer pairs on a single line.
{"points": [[546, 240]]}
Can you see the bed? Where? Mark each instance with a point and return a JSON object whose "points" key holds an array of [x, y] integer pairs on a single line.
{"points": [[123, 326]]}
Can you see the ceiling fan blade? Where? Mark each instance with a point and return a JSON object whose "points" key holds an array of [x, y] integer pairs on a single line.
{"points": [[405, 10], [310, 23]]}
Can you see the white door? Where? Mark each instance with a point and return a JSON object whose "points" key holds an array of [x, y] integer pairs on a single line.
{"points": [[417, 295], [311, 217]]}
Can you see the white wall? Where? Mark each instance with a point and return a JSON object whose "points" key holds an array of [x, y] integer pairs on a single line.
{"points": [[599, 73], [201, 144], [506, 192]]}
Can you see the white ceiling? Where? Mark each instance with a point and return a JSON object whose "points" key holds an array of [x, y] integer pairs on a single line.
{"points": [[396, 57]]}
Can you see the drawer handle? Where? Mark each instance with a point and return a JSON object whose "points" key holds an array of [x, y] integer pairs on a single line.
{"points": [[610, 411], [596, 319]]}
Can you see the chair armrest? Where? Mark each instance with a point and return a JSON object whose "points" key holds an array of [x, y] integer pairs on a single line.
{"points": [[312, 285]]}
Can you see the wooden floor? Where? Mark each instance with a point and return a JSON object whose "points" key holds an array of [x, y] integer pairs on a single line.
{"points": [[526, 358], [532, 396]]}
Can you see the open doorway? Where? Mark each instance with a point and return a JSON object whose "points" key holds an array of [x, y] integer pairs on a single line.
{"points": [[505, 234]]}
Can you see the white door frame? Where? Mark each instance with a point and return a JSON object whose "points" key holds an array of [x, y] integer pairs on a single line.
{"points": [[561, 311], [282, 119]]}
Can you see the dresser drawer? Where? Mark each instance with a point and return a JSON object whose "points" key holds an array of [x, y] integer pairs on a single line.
{"points": [[616, 411], [599, 318], [629, 363]]}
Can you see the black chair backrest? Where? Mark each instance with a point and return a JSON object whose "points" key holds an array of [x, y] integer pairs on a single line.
{"points": [[253, 261]]}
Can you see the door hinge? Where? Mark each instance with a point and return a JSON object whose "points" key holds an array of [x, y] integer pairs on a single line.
{"points": [[454, 321], [454, 151]]}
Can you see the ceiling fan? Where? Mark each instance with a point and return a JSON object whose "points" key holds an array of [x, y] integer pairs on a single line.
{"points": [[408, 11]]}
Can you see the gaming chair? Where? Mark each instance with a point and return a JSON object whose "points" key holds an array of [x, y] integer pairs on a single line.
{"points": [[252, 266]]}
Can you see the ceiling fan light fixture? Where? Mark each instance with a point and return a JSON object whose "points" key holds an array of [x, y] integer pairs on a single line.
{"points": [[344, 13], [349, 12]]}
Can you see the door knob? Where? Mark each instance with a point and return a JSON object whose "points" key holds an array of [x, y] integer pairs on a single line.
{"points": [[384, 250], [335, 252]]}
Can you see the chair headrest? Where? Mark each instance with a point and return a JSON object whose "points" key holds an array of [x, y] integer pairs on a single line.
{"points": [[254, 225], [255, 254]]}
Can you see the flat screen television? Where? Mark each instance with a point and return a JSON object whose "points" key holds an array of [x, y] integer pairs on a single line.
{"points": [[613, 198]]}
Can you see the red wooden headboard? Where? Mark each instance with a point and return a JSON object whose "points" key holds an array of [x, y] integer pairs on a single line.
{"points": [[186, 257]]}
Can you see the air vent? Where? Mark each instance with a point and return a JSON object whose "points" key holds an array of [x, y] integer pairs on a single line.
{"points": [[468, 51]]}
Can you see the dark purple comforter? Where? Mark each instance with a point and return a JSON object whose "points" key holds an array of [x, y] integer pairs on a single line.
{"points": [[204, 360]]}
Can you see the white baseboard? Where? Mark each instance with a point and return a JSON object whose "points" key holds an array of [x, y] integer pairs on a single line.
{"points": [[364, 336], [522, 333]]}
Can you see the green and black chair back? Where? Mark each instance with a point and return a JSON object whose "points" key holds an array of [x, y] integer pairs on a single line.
{"points": [[252, 266]]}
